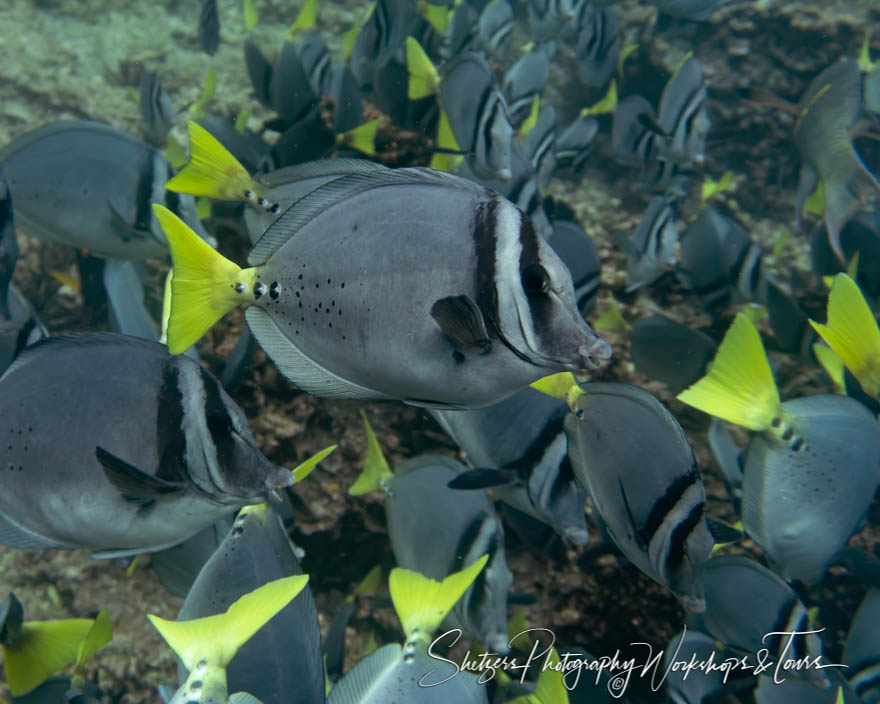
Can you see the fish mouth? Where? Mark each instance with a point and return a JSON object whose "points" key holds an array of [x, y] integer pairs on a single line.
{"points": [[693, 604], [590, 352]]}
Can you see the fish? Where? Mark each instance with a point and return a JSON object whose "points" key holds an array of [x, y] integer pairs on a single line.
{"points": [[495, 29], [259, 70], [380, 37], [157, 110], [315, 58], [396, 673], [645, 484], [112, 217], [828, 113], [34, 650], [417, 501], [681, 685], [577, 250], [524, 80], [207, 645], [737, 585], [519, 450], [462, 36], [860, 653], [343, 89], [683, 115], [255, 551], [651, 252], [209, 27], [573, 144], [821, 452], [8, 247], [689, 9], [548, 18], [728, 457], [98, 464], [455, 350], [290, 90], [125, 300], [597, 47], [540, 145], [668, 351], [798, 690], [246, 146], [861, 234], [177, 567]]}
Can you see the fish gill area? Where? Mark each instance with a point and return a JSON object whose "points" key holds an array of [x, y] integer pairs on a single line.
{"points": [[81, 59]]}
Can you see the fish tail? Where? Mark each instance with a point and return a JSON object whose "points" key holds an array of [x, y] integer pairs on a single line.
{"points": [[305, 469], [846, 196], [304, 20], [446, 140], [41, 649], [376, 471], [564, 387], [205, 285], [550, 687], [423, 77], [852, 332], [214, 640], [832, 364], [739, 386], [422, 603], [362, 138], [212, 171]]}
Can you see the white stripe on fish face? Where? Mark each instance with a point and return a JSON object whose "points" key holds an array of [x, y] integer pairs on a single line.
{"points": [[659, 544], [514, 319]]}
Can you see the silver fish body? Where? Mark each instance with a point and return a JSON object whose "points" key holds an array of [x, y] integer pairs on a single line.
{"points": [[436, 531], [524, 80], [682, 687], [473, 307], [495, 29], [316, 61], [524, 432], [597, 47], [478, 115], [540, 145], [640, 471], [682, 114], [651, 251], [381, 36], [116, 446], [862, 651], [804, 496], [90, 186], [156, 108], [125, 300], [283, 661], [548, 18], [573, 145]]}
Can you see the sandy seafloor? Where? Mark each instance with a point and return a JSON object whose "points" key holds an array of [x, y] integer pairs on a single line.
{"points": [[78, 59]]}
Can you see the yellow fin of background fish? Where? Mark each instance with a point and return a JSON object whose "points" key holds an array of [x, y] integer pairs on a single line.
{"points": [[65, 280], [209, 87], [217, 638], [350, 38], [532, 119], [422, 603], [607, 103], [550, 688], [713, 188], [833, 366], [852, 332], [755, 312], [203, 208], [174, 153], [564, 387], [305, 469], [362, 137], [437, 16], [446, 140], [865, 63], [423, 77], [376, 471], [739, 386], [517, 628], [305, 19], [132, 566], [100, 633], [251, 16], [202, 289], [681, 64], [166, 307], [815, 202], [42, 648], [241, 119], [370, 583], [627, 51], [612, 320], [212, 171]]}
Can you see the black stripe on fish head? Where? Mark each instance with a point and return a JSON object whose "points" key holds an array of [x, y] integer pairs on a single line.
{"points": [[481, 135], [485, 240], [143, 213], [170, 436], [220, 425], [776, 643], [667, 503]]}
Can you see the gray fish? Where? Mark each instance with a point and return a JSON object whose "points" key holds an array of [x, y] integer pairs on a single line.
{"points": [[100, 182], [157, 112], [668, 351], [794, 690], [472, 330], [418, 502], [348, 111], [692, 687], [8, 247], [651, 250], [209, 27], [381, 36], [576, 249], [125, 300], [861, 234], [727, 455], [315, 58], [683, 116], [540, 145], [745, 602], [597, 47], [522, 439], [259, 70], [635, 132], [283, 661], [787, 319], [548, 18], [178, 567], [689, 9], [645, 485], [118, 447], [573, 145], [526, 79], [862, 652], [478, 115], [495, 29], [462, 36], [290, 90], [827, 465]]}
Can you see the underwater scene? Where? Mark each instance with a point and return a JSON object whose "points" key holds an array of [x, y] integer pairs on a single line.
{"points": [[439, 351]]}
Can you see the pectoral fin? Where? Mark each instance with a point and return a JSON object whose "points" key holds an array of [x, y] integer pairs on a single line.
{"points": [[134, 484], [461, 320]]}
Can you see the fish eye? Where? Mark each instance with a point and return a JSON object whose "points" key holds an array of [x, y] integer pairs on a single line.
{"points": [[535, 280]]}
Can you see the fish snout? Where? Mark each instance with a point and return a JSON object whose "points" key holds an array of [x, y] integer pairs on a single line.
{"points": [[693, 604], [576, 536], [589, 352]]}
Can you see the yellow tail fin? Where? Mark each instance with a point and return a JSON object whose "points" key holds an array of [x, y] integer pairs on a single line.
{"points": [[205, 285], [216, 639], [607, 103], [304, 20], [564, 387], [833, 366], [362, 138], [550, 688], [739, 386], [42, 648], [376, 471], [423, 77], [251, 16], [422, 603], [212, 171], [305, 469], [438, 16], [529, 123], [446, 140], [852, 332]]}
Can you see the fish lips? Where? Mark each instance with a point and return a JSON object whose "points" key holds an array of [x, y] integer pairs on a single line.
{"points": [[589, 352], [277, 478]]}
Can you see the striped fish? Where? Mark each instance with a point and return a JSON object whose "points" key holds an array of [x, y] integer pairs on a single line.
{"points": [[862, 650], [524, 80], [576, 249], [381, 35], [316, 60], [209, 27], [597, 47], [548, 18], [644, 484], [8, 246], [478, 115], [540, 145], [156, 109], [495, 29], [573, 145], [121, 468], [651, 250], [683, 116]]}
